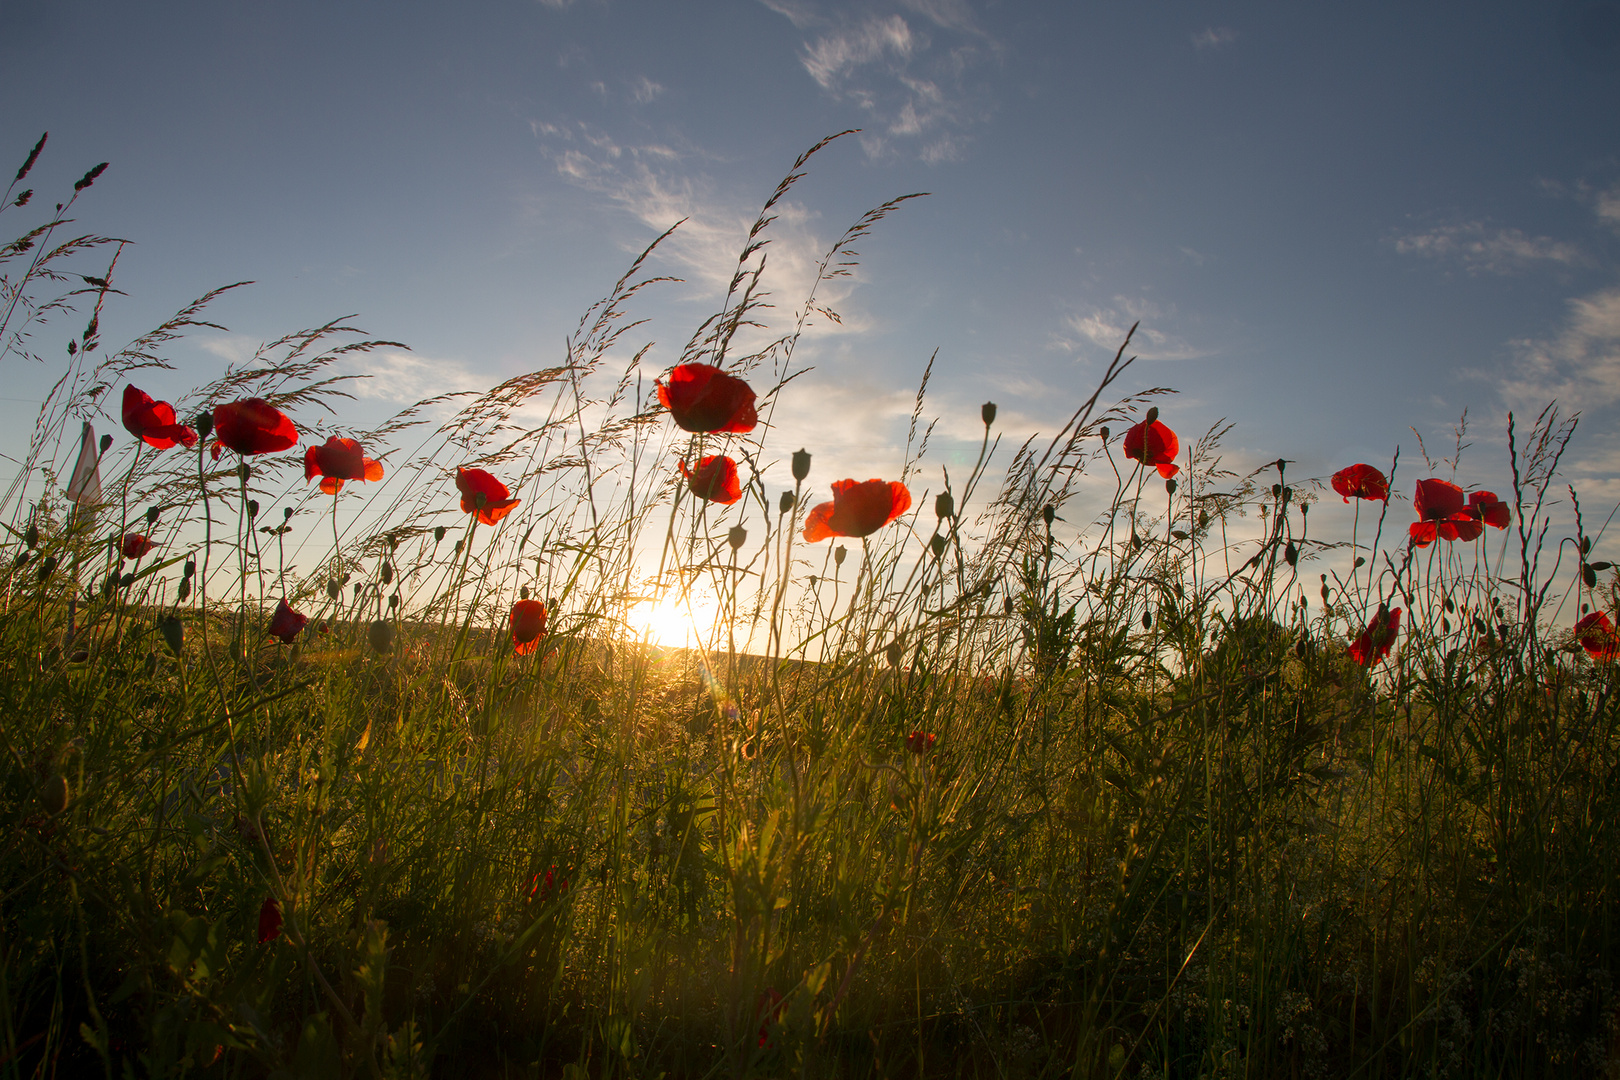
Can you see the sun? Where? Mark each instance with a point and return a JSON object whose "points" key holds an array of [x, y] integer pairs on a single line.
{"points": [[673, 620]]}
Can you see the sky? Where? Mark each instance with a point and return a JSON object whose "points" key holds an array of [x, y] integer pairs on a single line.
{"points": [[1335, 223]]}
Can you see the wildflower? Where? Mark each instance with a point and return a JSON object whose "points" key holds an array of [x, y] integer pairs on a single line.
{"points": [[136, 545], [1361, 482], [496, 500], [920, 742], [714, 479], [1152, 443], [1376, 640], [769, 1011], [1596, 635], [269, 920], [252, 426], [858, 508], [701, 397], [1442, 512], [528, 623], [286, 623], [1489, 509], [153, 422], [542, 889], [338, 460]]}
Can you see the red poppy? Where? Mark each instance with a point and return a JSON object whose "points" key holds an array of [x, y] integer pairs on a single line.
{"points": [[1361, 482], [1489, 509], [1442, 511], [1375, 641], [769, 1011], [858, 508], [1154, 444], [541, 889], [286, 623], [252, 426], [920, 742], [153, 422], [528, 623], [1596, 635], [701, 397], [135, 545], [497, 500], [338, 460], [269, 920], [715, 479]]}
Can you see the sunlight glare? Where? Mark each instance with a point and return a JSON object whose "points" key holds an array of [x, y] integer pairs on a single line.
{"points": [[674, 621]]}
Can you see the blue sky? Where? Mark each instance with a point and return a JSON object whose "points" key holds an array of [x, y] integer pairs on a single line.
{"points": [[1335, 223]]}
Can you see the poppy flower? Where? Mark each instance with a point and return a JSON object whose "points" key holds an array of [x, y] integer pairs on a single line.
{"points": [[286, 623], [858, 508], [715, 479], [1489, 509], [769, 1011], [269, 920], [1442, 511], [1375, 641], [136, 544], [920, 742], [252, 426], [497, 500], [541, 889], [1151, 443], [153, 422], [701, 397], [1596, 635], [528, 623], [1361, 482], [338, 460]]}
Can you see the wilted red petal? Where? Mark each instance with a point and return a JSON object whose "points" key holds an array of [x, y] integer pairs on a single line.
{"points": [[858, 508], [269, 920], [340, 459], [135, 545], [253, 426], [153, 422], [1154, 444], [701, 397], [1437, 499], [498, 501], [1361, 482], [286, 623], [1596, 635], [1489, 509], [715, 479], [528, 624], [1375, 641]]}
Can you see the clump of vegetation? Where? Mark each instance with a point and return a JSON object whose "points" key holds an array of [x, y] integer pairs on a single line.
{"points": [[1045, 775]]}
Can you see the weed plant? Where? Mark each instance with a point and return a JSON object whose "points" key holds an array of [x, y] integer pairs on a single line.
{"points": [[1072, 770]]}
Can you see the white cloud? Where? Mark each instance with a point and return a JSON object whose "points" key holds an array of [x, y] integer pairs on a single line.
{"points": [[1103, 328], [799, 14], [832, 57], [1482, 249], [645, 90], [1608, 207], [1214, 37], [405, 378], [1580, 366]]}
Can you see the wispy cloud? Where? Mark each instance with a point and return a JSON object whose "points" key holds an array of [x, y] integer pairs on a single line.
{"points": [[404, 378], [1214, 37], [1579, 366], [1102, 328], [1482, 249], [644, 90]]}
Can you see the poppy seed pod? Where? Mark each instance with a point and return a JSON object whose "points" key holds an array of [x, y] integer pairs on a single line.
{"points": [[944, 505], [893, 652], [987, 413], [380, 636], [785, 503], [838, 555], [106, 443], [1048, 514], [253, 508], [47, 567], [523, 592], [1104, 433], [203, 423], [737, 537], [393, 600], [151, 515], [438, 534], [1170, 486], [1153, 414], [31, 537], [286, 513], [387, 573], [182, 591], [801, 464], [333, 589], [937, 545]]}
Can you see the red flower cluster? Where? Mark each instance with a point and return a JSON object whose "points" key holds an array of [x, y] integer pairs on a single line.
{"points": [[269, 920], [701, 398], [252, 426], [528, 624], [136, 544], [1596, 635], [153, 422], [541, 889], [1379, 636], [286, 623], [858, 508], [1443, 512], [496, 501], [338, 460], [1361, 482], [714, 479], [1154, 444]]}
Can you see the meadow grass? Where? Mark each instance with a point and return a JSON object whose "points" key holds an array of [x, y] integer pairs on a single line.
{"points": [[1064, 776]]}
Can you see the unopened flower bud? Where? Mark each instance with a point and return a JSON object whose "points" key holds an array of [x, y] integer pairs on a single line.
{"points": [[944, 505], [1104, 433], [987, 413], [1170, 486], [1153, 415], [286, 513], [31, 537], [253, 508], [203, 422], [244, 472], [937, 545], [838, 555], [1048, 514], [151, 515], [737, 537], [438, 534], [173, 631], [785, 503], [893, 651], [801, 464], [380, 636], [106, 443], [387, 573]]}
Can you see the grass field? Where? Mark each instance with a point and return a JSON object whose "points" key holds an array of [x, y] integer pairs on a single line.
{"points": [[1094, 761]]}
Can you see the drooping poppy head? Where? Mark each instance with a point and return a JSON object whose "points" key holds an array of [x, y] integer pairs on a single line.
{"points": [[1379, 636], [1489, 509], [1361, 482], [338, 460], [136, 544], [269, 920], [483, 495], [858, 508], [701, 397], [528, 624], [252, 426], [715, 479], [920, 742], [286, 623], [1596, 635], [153, 422], [1154, 444]]}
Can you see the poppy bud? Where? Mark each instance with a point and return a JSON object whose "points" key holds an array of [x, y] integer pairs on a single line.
{"points": [[459, 545], [938, 545], [838, 555], [393, 541], [173, 631], [387, 574], [357, 587], [1006, 605], [892, 651], [269, 920], [1586, 545], [1276, 491], [1360, 562], [1153, 416], [106, 443], [191, 568], [393, 601], [47, 568], [31, 537], [1104, 433], [987, 413], [785, 503], [54, 794], [1048, 514], [380, 635], [1170, 487], [110, 586], [333, 588], [151, 515], [1147, 620], [1589, 576], [127, 580], [182, 592], [738, 536], [944, 505], [1291, 553], [1601, 566], [523, 592], [253, 509], [203, 425], [244, 472], [801, 464], [438, 534], [1324, 592], [1287, 493], [813, 580]]}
